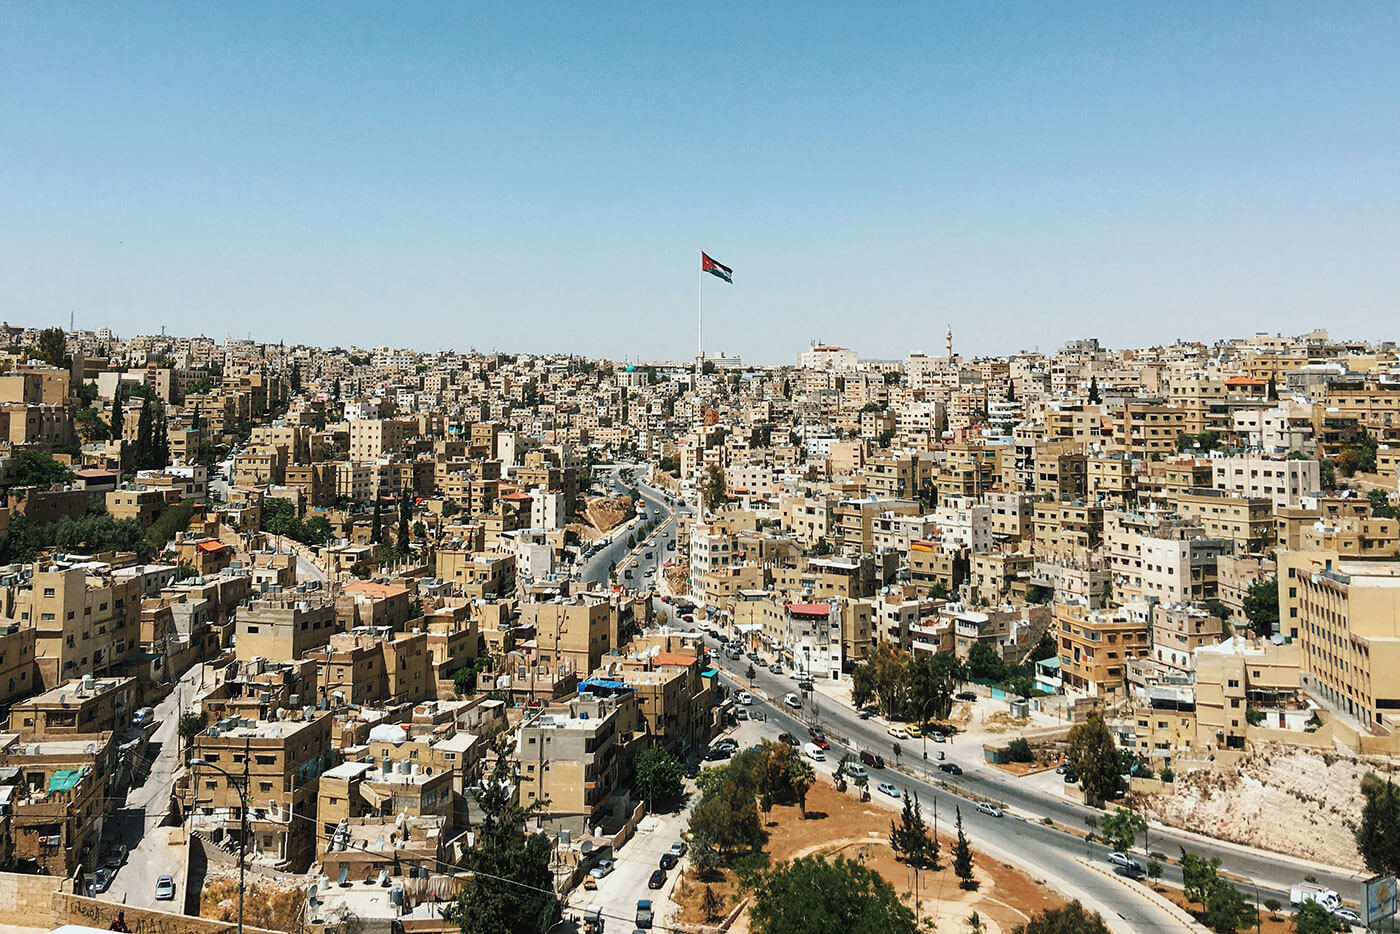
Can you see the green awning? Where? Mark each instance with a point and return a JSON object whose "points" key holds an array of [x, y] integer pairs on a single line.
{"points": [[65, 779]]}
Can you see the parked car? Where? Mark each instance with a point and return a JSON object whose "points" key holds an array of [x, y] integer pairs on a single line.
{"points": [[743, 697], [966, 696], [728, 742], [856, 771], [678, 849], [603, 869], [144, 717], [115, 857], [1120, 859], [952, 768], [657, 880], [775, 668], [1071, 776], [753, 657], [897, 732], [821, 743], [1060, 769], [165, 889], [668, 861], [798, 674], [741, 713], [813, 751], [888, 788], [789, 739], [100, 881], [718, 752], [937, 737], [991, 810], [806, 686], [793, 701], [1348, 917], [872, 759], [913, 731]]}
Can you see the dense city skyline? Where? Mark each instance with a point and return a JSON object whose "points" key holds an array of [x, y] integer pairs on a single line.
{"points": [[546, 181]]}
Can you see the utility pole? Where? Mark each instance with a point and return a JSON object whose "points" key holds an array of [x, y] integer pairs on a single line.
{"points": [[243, 833]]}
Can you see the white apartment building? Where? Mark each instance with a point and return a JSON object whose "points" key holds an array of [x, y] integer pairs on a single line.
{"points": [[1283, 481], [827, 358], [710, 550], [1180, 570], [812, 638]]}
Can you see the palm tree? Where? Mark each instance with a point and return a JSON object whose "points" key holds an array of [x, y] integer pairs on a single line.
{"points": [[803, 778]]}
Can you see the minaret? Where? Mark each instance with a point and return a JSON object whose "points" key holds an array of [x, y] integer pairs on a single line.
{"points": [[948, 339]]}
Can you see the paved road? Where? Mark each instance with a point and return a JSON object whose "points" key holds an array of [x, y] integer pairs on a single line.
{"points": [[1272, 875], [147, 806], [1048, 854], [644, 570], [618, 892]]}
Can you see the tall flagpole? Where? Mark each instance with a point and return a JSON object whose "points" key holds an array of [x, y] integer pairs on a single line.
{"points": [[699, 321]]}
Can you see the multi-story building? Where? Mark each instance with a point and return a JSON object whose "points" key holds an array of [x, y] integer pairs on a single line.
{"points": [[1178, 630], [283, 760], [569, 759], [1345, 615], [85, 623], [283, 628], [1095, 647], [812, 638]]}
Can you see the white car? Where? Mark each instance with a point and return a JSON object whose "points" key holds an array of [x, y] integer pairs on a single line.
{"points": [[857, 771], [889, 789], [1348, 916], [793, 701], [165, 889], [743, 697], [678, 849], [813, 751], [1122, 859], [603, 869], [991, 810]]}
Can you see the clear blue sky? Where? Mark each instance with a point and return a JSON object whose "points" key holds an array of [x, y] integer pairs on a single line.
{"points": [[544, 179]]}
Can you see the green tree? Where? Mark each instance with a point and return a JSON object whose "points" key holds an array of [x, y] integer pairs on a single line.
{"points": [[712, 905], [1094, 757], [1378, 834], [1198, 875], [1312, 918], [715, 491], [510, 886], [1226, 909], [405, 537], [962, 857], [1261, 606], [1122, 828], [118, 416], [1019, 750], [910, 838], [1154, 869], [1070, 919], [659, 774], [932, 680], [1094, 397], [985, 662], [727, 813], [813, 896], [189, 726], [53, 348], [376, 522], [35, 468], [1380, 504], [143, 454], [1273, 389]]}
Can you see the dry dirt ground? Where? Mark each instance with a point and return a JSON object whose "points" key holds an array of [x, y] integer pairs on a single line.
{"points": [[265, 903], [846, 826], [1281, 923], [602, 513], [1278, 798]]}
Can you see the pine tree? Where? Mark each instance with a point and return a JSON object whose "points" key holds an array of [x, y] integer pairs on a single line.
{"points": [[1094, 396], [910, 839], [144, 437], [711, 905], [376, 528], [1273, 388], [160, 444], [405, 520], [118, 416], [962, 857]]}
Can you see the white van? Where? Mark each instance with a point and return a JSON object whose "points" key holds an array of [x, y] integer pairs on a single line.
{"points": [[813, 751]]}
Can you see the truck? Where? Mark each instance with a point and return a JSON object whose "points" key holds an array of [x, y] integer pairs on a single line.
{"points": [[593, 919], [1308, 892], [643, 912]]}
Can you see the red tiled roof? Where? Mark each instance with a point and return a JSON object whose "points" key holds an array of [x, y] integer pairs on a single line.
{"points": [[810, 609]]}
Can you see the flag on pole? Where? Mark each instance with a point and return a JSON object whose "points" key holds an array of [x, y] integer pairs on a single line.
{"points": [[716, 269]]}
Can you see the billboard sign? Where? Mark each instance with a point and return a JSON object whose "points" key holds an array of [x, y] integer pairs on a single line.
{"points": [[1380, 900]]}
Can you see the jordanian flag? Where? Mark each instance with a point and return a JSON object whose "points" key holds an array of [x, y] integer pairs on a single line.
{"points": [[715, 269]]}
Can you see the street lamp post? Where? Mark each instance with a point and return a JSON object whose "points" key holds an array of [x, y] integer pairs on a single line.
{"points": [[923, 731], [242, 821]]}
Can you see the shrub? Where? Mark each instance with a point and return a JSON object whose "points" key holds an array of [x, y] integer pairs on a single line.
{"points": [[1020, 750]]}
